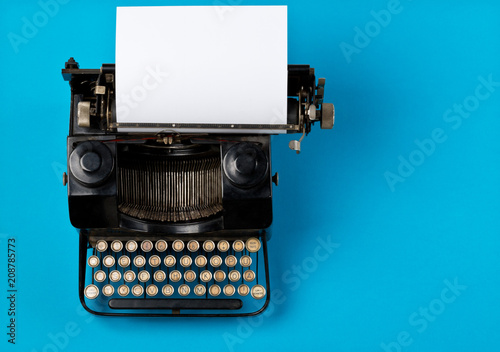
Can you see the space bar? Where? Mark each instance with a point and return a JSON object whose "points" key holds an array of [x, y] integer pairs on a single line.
{"points": [[134, 303]]}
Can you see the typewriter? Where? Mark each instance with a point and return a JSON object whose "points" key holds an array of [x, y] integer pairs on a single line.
{"points": [[174, 224]]}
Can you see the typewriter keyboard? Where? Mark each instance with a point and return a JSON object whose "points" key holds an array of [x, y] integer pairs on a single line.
{"points": [[148, 274]]}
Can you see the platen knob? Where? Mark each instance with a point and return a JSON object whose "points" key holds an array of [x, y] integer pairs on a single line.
{"points": [[327, 116]]}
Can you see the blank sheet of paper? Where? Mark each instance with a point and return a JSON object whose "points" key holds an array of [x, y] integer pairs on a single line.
{"points": [[201, 64]]}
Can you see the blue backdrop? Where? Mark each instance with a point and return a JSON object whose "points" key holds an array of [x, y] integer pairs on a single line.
{"points": [[386, 229]]}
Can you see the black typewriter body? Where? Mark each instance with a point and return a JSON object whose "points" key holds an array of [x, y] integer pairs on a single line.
{"points": [[172, 223]]}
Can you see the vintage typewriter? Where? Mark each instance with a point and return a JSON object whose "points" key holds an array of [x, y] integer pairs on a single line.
{"points": [[174, 224]]}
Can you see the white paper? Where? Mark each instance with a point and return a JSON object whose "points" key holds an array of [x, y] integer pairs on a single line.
{"points": [[202, 64]]}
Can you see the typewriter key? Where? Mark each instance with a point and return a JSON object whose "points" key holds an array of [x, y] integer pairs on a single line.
{"points": [[200, 261], [101, 245], [169, 261], [108, 290], [159, 276], [206, 276], [167, 290], [116, 246], [123, 290], [178, 245], [231, 261], [91, 292], [258, 292], [152, 290], [143, 276], [249, 275], [100, 276], [186, 261], [193, 246], [93, 261], [190, 276], [229, 290], [223, 246], [234, 275], [137, 290], [161, 246], [175, 275], [131, 246], [139, 261], [147, 246], [253, 245], [129, 276], [199, 290], [115, 276], [184, 290], [214, 290], [219, 276], [124, 261], [216, 261], [238, 245], [154, 261], [243, 290], [245, 261], [208, 246], [108, 261]]}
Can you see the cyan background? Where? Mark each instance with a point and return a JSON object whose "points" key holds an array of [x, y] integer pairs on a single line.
{"points": [[396, 247]]}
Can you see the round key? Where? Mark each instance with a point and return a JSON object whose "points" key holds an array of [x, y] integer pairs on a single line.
{"points": [[208, 246], [205, 276], [231, 261], [245, 261], [175, 275], [143, 276], [234, 275], [152, 290], [249, 275], [139, 261], [169, 261], [161, 245], [219, 276], [129, 276], [116, 246], [159, 276], [108, 261], [100, 276], [124, 261], [154, 261], [147, 246], [199, 290], [178, 245], [216, 261], [108, 290], [214, 290], [258, 292], [123, 290], [137, 290], [243, 290], [238, 245], [184, 290], [223, 246], [101, 245], [200, 261], [131, 246], [167, 290], [253, 245], [93, 261], [190, 276], [193, 246], [229, 290], [115, 276], [91, 292], [186, 261]]}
